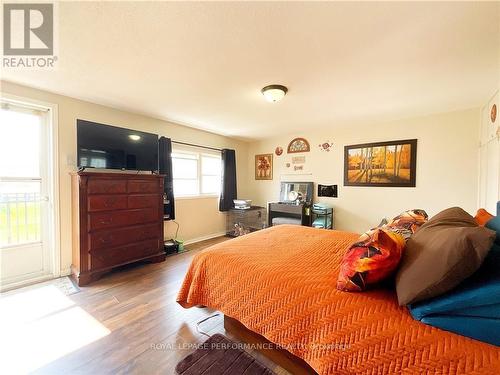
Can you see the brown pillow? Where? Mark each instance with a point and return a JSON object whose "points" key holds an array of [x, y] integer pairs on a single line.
{"points": [[443, 252]]}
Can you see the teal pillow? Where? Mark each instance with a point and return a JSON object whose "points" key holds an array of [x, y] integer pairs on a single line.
{"points": [[494, 224]]}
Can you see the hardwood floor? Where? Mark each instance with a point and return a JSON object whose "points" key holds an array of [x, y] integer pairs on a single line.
{"points": [[129, 323]]}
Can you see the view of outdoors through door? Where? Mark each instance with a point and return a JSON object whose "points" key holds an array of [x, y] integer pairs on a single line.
{"points": [[24, 196]]}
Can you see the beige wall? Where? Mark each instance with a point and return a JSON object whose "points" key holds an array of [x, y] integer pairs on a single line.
{"points": [[447, 168], [198, 218]]}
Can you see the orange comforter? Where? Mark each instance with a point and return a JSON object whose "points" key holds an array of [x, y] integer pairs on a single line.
{"points": [[280, 283]]}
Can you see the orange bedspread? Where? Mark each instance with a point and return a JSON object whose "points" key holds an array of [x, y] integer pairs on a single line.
{"points": [[280, 283]]}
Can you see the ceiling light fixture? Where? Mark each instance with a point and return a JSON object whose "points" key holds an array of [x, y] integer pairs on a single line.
{"points": [[134, 137], [274, 93]]}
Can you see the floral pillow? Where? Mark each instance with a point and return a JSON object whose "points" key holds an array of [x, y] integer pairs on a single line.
{"points": [[371, 259], [377, 253], [408, 222]]}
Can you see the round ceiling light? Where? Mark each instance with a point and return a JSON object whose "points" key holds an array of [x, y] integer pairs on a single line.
{"points": [[134, 137], [274, 93]]}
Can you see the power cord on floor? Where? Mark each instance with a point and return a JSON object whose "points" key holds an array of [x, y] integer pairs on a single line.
{"points": [[177, 230], [202, 321]]}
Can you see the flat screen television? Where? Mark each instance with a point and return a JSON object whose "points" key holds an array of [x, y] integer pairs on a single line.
{"points": [[111, 147]]}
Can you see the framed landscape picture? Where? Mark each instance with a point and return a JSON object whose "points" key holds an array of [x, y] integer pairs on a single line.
{"points": [[381, 164], [264, 167]]}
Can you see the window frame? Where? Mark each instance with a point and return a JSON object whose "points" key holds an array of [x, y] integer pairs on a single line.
{"points": [[199, 153]]}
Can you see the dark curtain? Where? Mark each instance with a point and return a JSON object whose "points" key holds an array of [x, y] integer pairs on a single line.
{"points": [[228, 190], [165, 151]]}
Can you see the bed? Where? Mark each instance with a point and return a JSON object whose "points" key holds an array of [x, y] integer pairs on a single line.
{"points": [[279, 284]]}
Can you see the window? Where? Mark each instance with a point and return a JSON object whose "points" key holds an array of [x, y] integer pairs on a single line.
{"points": [[196, 173]]}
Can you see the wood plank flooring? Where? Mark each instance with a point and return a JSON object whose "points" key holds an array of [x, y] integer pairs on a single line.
{"points": [[145, 330]]}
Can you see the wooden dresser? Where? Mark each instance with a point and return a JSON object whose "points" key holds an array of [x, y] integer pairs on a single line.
{"points": [[117, 219]]}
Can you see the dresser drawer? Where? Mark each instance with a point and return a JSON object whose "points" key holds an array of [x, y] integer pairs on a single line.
{"points": [[105, 186], [143, 201], [144, 186], [104, 220], [286, 208], [107, 202], [103, 258], [119, 237]]}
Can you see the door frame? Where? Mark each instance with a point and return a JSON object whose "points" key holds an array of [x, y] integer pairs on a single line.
{"points": [[52, 186]]}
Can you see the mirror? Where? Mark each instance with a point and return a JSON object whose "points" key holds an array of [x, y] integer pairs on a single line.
{"points": [[296, 192]]}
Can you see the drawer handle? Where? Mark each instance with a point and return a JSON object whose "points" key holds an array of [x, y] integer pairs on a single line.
{"points": [[109, 202], [106, 222], [107, 240]]}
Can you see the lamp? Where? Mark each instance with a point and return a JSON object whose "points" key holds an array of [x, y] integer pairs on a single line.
{"points": [[274, 93]]}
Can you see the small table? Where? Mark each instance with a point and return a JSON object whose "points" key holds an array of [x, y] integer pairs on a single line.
{"points": [[323, 217], [240, 222]]}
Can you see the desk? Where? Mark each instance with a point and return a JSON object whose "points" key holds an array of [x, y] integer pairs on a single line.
{"points": [[300, 212]]}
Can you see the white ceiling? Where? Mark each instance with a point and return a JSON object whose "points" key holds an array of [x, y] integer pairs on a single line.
{"points": [[203, 64]]}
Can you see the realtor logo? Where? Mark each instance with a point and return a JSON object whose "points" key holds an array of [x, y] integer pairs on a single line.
{"points": [[28, 29], [29, 35]]}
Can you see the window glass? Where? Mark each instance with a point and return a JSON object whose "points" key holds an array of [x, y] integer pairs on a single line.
{"points": [[185, 168], [196, 173], [185, 187], [19, 128], [210, 165], [210, 184]]}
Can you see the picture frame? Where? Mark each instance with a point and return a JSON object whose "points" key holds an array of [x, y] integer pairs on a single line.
{"points": [[382, 164], [298, 145], [264, 167]]}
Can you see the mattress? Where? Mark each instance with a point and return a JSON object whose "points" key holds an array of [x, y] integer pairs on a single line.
{"points": [[280, 283]]}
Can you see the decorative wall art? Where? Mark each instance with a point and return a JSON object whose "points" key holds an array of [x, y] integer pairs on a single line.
{"points": [[296, 165], [493, 130], [298, 145], [264, 167], [298, 160], [327, 191], [326, 146], [381, 164], [278, 151]]}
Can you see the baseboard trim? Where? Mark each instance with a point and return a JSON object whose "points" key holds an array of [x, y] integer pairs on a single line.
{"points": [[203, 238], [66, 272]]}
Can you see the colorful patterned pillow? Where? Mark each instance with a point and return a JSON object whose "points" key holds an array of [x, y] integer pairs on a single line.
{"points": [[371, 259], [408, 222], [377, 253]]}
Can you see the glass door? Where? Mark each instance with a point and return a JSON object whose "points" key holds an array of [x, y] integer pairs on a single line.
{"points": [[25, 249]]}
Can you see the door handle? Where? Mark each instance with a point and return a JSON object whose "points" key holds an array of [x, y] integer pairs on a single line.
{"points": [[44, 198]]}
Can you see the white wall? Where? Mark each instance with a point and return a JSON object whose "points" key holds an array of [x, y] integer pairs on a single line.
{"points": [[198, 218], [447, 168], [489, 157]]}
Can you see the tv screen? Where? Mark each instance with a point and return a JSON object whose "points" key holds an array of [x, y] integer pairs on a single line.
{"points": [[110, 147]]}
